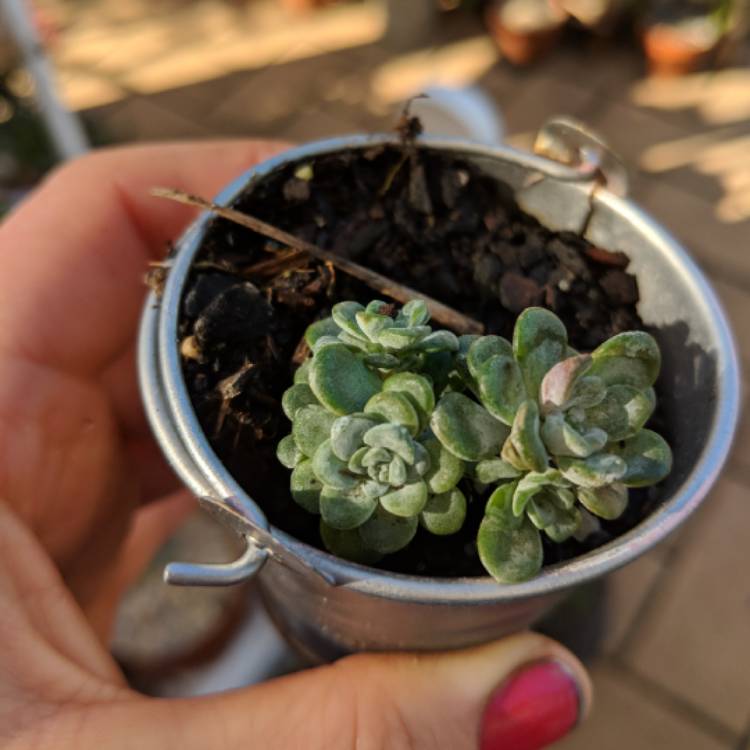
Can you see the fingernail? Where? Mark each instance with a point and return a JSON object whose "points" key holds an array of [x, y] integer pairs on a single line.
{"points": [[538, 705]]}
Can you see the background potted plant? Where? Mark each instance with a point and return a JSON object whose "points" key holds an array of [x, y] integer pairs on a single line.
{"points": [[525, 30], [681, 37], [483, 233]]}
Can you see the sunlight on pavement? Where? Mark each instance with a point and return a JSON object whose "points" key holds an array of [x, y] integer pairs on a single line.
{"points": [[104, 60], [723, 153], [457, 64], [719, 96]]}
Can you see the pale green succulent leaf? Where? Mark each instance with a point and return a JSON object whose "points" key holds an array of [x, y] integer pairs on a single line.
{"points": [[532, 484], [493, 470], [588, 391], [406, 501], [566, 525], [399, 339], [647, 456], [306, 487], [562, 439], [345, 510], [320, 328], [639, 405], [439, 341], [386, 533], [510, 455], [294, 398], [525, 438], [331, 470], [465, 343], [565, 498], [467, 429], [377, 455], [482, 349], [422, 460], [311, 426], [501, 387], [510, 555], [347, 544], [288, 453], [500, 505], [341, 381], [444, 470], [607, 502], [598, 470], [630, 358], [324, 341], [610, 415], [395, 408], [371, 324], [377, 306], [392, 437], [302, 373], [382, 360], [444, 513], [557, 388], [373, 490], [344, 314], [415, 312], [589, 525], [417, 386], [397, 472], [356, 343], [539, 343], [347, 434]]}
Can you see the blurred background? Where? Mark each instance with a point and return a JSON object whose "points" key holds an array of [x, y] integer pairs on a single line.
{"points": [[668, 86]]}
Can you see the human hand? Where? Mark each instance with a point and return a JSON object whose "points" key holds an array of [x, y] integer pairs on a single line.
{"points": [[85, 499]]}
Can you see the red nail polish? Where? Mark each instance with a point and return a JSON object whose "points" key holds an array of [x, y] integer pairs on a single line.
{"points": [[536, 706]]}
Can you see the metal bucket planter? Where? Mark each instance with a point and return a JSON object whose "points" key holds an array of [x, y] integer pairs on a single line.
{"points": [[328, 607]]}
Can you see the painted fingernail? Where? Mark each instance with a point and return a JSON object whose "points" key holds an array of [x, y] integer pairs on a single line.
{"points": [[538, 705]]}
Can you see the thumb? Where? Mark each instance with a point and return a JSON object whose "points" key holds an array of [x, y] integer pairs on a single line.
{"points": [[521, 693]]}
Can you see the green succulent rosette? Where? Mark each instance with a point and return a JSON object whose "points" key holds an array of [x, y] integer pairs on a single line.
{"points": [[363, 457], [388, 416], [575, 442], [388, 343]]}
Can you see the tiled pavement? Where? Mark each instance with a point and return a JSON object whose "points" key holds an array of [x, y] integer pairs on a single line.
{"points": [[673, 667]]}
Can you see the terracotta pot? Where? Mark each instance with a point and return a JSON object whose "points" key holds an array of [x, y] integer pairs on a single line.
{"points": [[303, 6], [670, 52], [521, 46]]}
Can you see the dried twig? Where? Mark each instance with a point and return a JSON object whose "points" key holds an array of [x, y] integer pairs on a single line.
{"points": [[441, 313], [278, 264]]}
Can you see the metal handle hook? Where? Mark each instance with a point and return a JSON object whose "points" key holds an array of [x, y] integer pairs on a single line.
{"points": [[221, 574], [568, 141], [245, 518]]}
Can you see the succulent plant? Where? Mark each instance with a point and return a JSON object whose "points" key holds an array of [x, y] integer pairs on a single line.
{"points": [[362, 455], [386, 342], [575, 437], [381, 436]]}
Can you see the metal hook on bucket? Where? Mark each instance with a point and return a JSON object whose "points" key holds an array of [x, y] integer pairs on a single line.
{"points": [[260, 546], [568, 141]]}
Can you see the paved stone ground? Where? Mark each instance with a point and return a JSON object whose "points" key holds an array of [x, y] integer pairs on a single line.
{"points": [[672, 669]]}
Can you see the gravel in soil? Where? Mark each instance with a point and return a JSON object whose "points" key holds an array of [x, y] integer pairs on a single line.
{"points": [[423, 218]]}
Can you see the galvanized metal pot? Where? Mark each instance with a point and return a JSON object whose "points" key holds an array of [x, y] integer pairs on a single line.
{"points": [[327, 606]]}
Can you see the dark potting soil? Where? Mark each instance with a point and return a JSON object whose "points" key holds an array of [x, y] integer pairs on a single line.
{"points": [[428, 220]]}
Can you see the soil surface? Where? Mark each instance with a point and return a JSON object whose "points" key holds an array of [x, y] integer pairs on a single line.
{"points": [[425, 219]]}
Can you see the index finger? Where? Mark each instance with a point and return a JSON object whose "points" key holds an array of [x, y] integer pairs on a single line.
{"points": [[74, 254]]}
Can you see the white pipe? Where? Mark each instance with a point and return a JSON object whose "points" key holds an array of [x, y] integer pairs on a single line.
{"points": [[64, 128]]}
